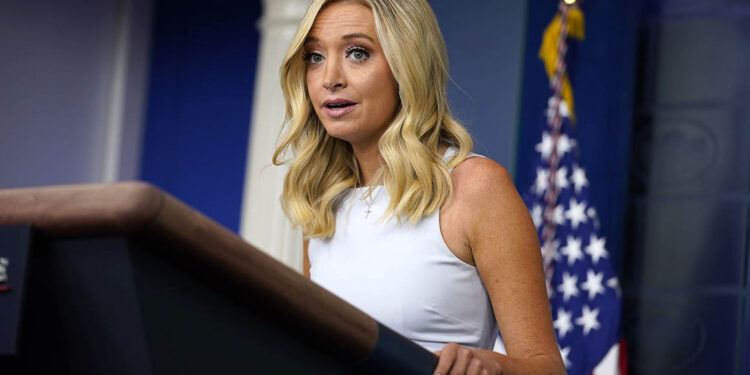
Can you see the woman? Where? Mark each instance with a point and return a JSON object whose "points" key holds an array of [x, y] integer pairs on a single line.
{"points": [[401, 221]]}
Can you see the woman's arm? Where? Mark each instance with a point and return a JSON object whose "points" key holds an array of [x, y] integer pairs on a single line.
{"points": [[498, 230]]}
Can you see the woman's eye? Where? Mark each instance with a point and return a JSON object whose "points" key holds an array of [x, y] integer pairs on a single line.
{"points": [[358, 54], [314, 58]]}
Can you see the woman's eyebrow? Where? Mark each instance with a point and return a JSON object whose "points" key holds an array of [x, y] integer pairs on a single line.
{"points": [[312, 39], [358, 35]]}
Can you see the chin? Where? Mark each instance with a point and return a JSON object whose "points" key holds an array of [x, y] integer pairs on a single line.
{"points": [[346, 137], [353, 132], [341, 131]]}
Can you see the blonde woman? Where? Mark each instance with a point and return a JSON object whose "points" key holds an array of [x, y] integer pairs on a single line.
{"points": [[400, 219]]}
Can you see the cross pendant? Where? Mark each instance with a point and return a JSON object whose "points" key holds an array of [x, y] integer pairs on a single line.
{"points": [[367, 213]]}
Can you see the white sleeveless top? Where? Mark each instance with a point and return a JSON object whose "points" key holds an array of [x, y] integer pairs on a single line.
{"points": [[403, 275]]}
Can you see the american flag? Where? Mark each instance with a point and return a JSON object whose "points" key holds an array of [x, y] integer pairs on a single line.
{"points": [[583, 289]]}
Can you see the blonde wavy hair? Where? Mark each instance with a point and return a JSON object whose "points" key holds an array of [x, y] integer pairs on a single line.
{"points": [[322, 168]]}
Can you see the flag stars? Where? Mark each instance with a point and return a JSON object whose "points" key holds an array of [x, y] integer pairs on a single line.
{"points": [[596, 248], [564, 352], [579, 178], [561, 178], [614, 284], [564, 322], [542, 180], [568, 286], [545, 146], [580, 283], [536, 215], [572, 249], [549, 251], [564, 144], [564, 110], [591, 212], [555, 106], [593, 283], [588, 319], [558, 215], [576, 213]]}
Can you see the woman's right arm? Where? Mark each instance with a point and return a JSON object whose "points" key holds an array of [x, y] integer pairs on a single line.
{"points": [[305, 259]]}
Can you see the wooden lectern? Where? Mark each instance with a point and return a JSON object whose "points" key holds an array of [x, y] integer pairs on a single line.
{"points": [[125, 279]]}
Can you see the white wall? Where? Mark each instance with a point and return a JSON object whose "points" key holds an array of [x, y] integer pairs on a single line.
{"points": [[73, 75], [271, 231]]}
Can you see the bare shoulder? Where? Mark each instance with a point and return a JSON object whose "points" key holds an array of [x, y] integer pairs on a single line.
{"points": [[480, 179], [491, 208], [478, 184]]}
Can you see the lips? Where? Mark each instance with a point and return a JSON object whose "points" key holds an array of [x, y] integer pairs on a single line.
{"points": [[338, 107]]}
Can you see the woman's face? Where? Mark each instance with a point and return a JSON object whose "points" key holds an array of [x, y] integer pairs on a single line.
{"points": [[348, 78]]}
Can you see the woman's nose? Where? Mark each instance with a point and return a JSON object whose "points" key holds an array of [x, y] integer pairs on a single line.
{"points": [[334, 76]]}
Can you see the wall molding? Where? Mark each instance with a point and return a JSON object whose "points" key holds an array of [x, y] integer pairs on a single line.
{"points": [[262, 222]]}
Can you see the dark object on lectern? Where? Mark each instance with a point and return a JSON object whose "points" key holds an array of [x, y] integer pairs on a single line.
{"points": [[14, 246], [125, 279]]}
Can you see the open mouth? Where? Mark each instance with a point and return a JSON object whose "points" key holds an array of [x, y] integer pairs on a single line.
{"points": [[335, 104], [338, 108], [342, 105]]}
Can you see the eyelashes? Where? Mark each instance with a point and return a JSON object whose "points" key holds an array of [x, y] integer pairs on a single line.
{"points": [[312, 58], [357, 54]]}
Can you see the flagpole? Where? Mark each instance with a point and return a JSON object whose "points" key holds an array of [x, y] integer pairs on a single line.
{"points": [[554, 121]]}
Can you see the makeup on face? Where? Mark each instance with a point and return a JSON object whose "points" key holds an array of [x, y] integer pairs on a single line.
{"points": [[349, 81]]}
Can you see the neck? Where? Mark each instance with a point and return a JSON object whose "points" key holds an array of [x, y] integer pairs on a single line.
{"points": [[369, 160]]}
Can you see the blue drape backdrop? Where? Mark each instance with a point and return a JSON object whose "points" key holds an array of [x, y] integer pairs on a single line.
{"points": [[200, 96]]}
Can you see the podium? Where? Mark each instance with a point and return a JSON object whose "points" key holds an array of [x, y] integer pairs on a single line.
{"points": [[126, 279]]}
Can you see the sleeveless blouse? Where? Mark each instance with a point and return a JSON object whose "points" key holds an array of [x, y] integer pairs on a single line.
{"points": [[403, 275]]}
